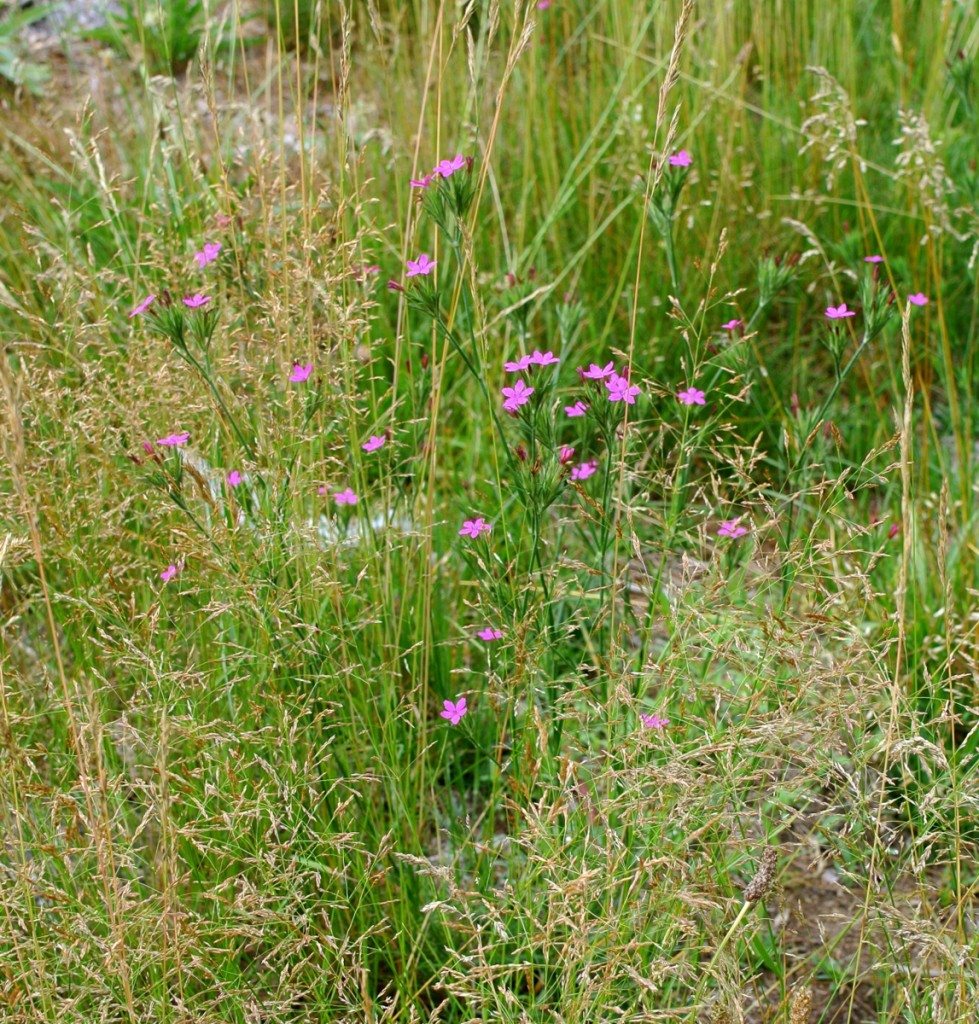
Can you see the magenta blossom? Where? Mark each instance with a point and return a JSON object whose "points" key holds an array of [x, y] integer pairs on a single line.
{"points": [[691, 396], [918, 299], [174, 440], [578, 409], [584, 471], [518, 365], [446, 168], [373, 443], [620, 390], [653, 721], [454, 711], [169, 572], [489, 633], [839, 312], [730, 528], [143, 306], [196, 301], [300, 373], [516, 396], [543, 358], [423, 182], [873, 259], [596, 372], [474, 527], [423, 265], [893, 531], [681, 159], [208, 253], [345, 497], [565, 455], [542, 5], [234, 478], [730, 325]]}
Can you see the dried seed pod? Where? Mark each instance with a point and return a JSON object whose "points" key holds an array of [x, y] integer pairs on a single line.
{"points": [[801, 1006], [758, 888]]}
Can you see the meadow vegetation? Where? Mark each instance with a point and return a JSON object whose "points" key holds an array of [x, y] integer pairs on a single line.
{"points": [[488, 522]]}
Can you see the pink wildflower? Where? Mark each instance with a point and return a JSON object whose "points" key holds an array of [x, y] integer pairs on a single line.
{"points": [[681, 159], [839, 312], [234, 478], [300, 373], [196, 301], [423, 182], [345, 497], [174, 440], [584, 471], [596, 372], [454, 711], [143, 306], [423, 265], [373, 443], [578, 409], [691, 397], [653, 721], [516, 396], [518, 365], [893, 531], [474, 527], [208, 253], [620, 390], [542, 5], [730, 325], [169, 572], [489, 633], [565, 455], [730, 528], [873, 259], [918, 299], [543, 358], [446, 168]]}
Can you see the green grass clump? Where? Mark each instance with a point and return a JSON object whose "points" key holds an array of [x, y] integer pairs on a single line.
{"points": [[717, 658]]}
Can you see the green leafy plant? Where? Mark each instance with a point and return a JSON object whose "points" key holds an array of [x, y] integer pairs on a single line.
{"points": [[168, 34], [15, 67]]}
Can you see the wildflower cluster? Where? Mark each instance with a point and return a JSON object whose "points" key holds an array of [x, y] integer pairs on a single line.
{"points": [[447, 193]]}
